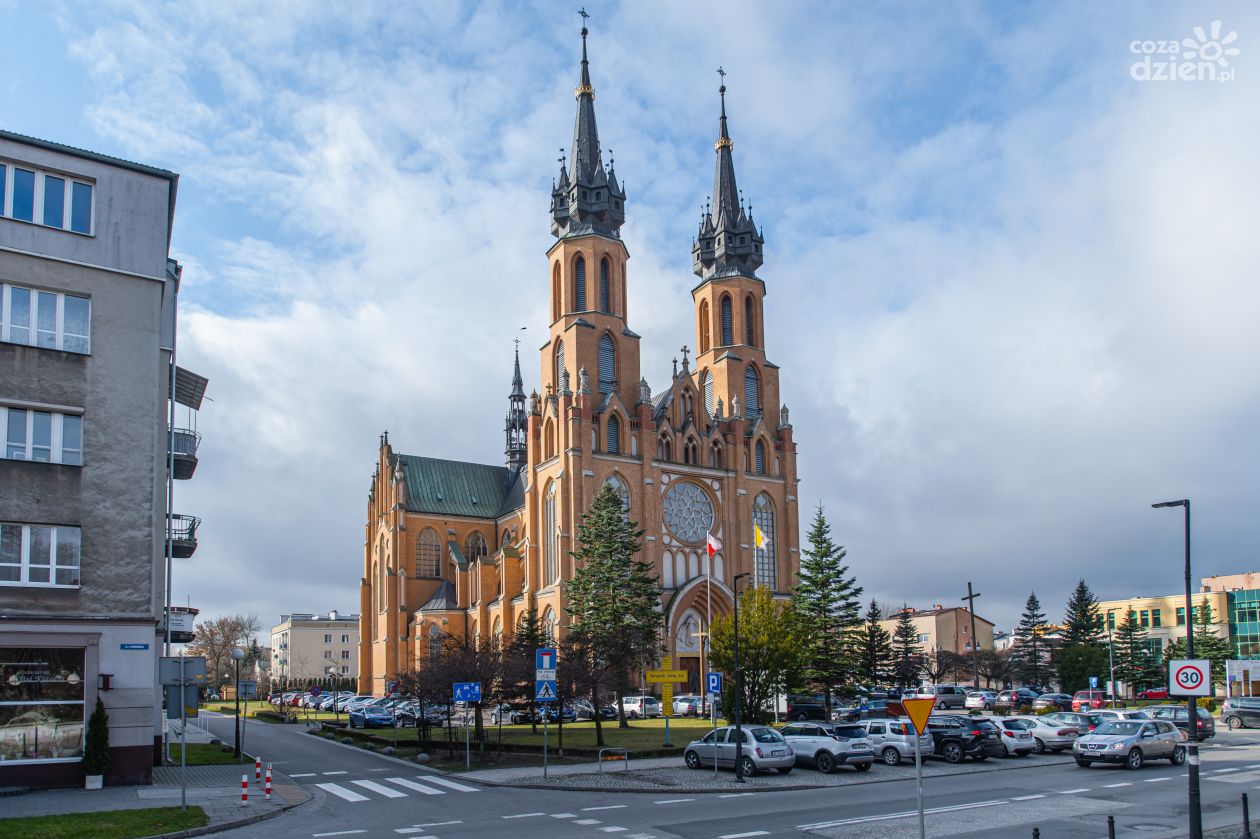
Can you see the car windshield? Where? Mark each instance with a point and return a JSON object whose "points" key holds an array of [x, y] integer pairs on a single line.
{"points": [[1119, 728], [766, 735], [848, 732], [986, 725]]}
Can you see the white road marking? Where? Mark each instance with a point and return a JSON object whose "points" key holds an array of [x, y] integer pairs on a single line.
{"points": [[611, 829], [1073, 791], [734, 795], [304, 775], [1156, 780], [412, 785], [1226, 770], [605, 807], [439, 824], [339, 833], [671, 801], [1113, 786], [563, 816], [341, 792], [640, 836], [388, 792], [413, 830], [524, 815], [1253, 765], [1027, 797], [338, 772], [451, 784], [742, 835], [587, 821]]}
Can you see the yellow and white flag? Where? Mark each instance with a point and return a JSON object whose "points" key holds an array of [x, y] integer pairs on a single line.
{"points": [[759, 538]]}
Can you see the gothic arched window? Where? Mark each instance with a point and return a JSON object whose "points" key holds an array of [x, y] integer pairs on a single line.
{"points": [[579, 285], [549, 441], [555, 293], [475, 547], [704, 326], [551, 537], [623, 492], [706, 387], [607, 364], [603, 285], [759, 457], [613, 430], [715, 456], [428, 554], [752, 392], [559, 366], [435, 643], [549, 625], [750, 329], [728, 328], [664, 449], [763, 557], [496, 632]]}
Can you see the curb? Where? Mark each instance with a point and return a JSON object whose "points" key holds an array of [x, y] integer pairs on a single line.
{"points": [[235, 823]]}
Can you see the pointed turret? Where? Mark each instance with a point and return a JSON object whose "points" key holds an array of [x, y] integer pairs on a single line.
{"points": [[587, 198], [728, 243], [516, 423]]}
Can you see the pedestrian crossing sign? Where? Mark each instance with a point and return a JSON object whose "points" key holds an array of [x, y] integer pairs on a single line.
{"points": [[544, 691]]}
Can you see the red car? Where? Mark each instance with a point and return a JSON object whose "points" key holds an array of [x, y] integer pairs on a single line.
{"points": [[1084, 700], [1153, 693]]}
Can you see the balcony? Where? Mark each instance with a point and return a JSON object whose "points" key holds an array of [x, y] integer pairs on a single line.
{"points": [[184, 453], [181, 531]]}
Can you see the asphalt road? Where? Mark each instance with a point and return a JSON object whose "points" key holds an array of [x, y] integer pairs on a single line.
{"points": [[360, 794]]}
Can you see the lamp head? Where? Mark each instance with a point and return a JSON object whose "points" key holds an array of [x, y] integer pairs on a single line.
{"points": [[1185, 502], [238, 653]]}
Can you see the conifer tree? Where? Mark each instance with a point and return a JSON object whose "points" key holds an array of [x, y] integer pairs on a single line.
{"points": [[1132, 655], [827, 606], [1207, 644], [1082, 620], [1030, 659], [907, 652], [614, 599], [875, 653]]}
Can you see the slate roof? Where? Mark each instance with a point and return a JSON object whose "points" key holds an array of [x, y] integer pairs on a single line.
{"points": [[443, 600], [457, 488]]}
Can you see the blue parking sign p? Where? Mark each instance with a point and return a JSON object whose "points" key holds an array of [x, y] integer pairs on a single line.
{"points": [[1093, 682], [713, 682]]}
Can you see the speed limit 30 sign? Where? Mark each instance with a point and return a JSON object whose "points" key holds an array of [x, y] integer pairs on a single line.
{"points": [[1190, 677]]}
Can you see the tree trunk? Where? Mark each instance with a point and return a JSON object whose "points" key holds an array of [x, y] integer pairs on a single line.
{"points": [[599, 723], [621, 709]]}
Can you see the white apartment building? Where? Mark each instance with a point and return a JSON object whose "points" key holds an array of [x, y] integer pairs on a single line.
{"points": [[304, 646]]}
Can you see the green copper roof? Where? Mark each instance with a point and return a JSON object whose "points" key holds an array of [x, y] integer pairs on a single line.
{"points": [[455, 488]]}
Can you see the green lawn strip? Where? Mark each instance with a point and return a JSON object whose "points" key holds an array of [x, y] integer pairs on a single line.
{"points": [[208, 754], [114, 824], [641, 736]]}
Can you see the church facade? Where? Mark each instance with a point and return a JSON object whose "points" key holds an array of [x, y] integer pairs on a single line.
{"points": [[465, 549]]}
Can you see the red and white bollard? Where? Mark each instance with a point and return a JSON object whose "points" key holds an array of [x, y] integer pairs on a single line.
{"points": [[268, 787], [244, 790], [257, 769]]}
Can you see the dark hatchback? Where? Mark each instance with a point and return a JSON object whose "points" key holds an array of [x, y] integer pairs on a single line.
{"points": [[1058, 701], [1241, 712], [955, 738], [1176, 714]]}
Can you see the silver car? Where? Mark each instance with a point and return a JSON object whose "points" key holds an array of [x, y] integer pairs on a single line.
{"points": [[763, 748], [828, 745], [980, 700], [1048, 735], [1131, 742], [1016, 738], [893, 740]]}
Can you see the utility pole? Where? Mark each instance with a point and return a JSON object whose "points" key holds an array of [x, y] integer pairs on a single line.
{"points": [[970, 600]]}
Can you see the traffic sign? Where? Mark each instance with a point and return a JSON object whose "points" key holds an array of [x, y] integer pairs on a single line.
{"points": [[666, 677], [314, 690], [714, 683], [467, 691], [545, 658], [1190, 677], [918, 710], [544, 691], [1093, 682]]}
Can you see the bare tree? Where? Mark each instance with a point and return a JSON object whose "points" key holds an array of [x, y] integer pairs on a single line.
{"points": [[215, 639]]}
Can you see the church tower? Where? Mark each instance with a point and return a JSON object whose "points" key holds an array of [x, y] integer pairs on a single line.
{"points": [[516, 425]]}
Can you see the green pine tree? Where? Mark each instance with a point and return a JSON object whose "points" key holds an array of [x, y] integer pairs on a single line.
{"points": [[614, 599], [1207, 644], [907, 653], [827, 606], [1030, 658], [875, 651], [1082, 621], [1131, 651], [95, 759]]}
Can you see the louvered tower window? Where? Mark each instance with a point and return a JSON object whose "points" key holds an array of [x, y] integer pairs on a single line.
{"points": [[603, 285], [614, 435], [728, 329], [607, 364], [759, 459], [579, 285], [752, 393], [707, 388], [559, 363], [750, 331], [704, 326]]}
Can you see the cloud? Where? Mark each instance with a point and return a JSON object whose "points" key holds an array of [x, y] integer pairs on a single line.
{"points": [[1011, 290]]}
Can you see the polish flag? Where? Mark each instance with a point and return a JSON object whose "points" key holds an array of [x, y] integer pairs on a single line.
{"points": [[713, 545]]}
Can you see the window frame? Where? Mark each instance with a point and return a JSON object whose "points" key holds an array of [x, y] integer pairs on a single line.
{"points": [[57, 450], [34, 306], [39, 197], [53, 565]]}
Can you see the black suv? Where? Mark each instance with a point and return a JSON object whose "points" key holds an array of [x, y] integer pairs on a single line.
{"points": [[954, 738], [1176, 714], [1018, 698], [801, 708]]}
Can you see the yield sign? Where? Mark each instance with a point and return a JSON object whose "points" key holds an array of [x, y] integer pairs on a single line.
{"points": [[918, 710]]}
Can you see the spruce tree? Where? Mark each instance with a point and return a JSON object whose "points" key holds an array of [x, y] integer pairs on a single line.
{"points": [[614, 599], [1030, 656], [875, 654], [827, 607], [1082, 620], [1131, 653], [1207, 644], [907, 661]]}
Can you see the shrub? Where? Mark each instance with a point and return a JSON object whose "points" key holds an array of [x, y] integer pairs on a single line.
{"points": [[349, 741], [1025, 710], [389, 750], [1047, 710], [1209, 703], [96, 750]]}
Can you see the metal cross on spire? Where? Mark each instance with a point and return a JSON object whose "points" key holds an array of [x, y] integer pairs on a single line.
{"points": [[582, 12]]}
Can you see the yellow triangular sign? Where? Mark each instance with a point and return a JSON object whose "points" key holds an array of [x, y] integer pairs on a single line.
{"points": [[918, 710]]}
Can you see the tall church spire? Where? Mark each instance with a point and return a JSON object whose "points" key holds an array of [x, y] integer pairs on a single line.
{"points": [[728, 243], [587, 198], [516, 423]]}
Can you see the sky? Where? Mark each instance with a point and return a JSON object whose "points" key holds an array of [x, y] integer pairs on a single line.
{"points": [[1011, 276]]}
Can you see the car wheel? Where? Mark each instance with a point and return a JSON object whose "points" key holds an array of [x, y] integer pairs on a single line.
{"points": [[1084, 764], [747, 766], [634, 715], [988, 707], [891, 756], [783, 770], [940, 706], [952, 752], [826, 762], [861, 767], [1178, 756], [1134, 760], [1039, 748], [1234, 723], [801, 718], [692, 759]]}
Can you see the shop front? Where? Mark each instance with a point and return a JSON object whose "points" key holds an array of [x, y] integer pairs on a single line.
{"points": [[43, 713]]}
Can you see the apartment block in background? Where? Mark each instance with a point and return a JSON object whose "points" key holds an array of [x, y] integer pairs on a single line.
{"points": [[304, 646]]}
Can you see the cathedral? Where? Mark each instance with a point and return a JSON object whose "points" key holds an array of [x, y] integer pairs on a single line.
{"points": [[465, 549]]}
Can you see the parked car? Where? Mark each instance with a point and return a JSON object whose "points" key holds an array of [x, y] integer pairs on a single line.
{"points": [[355, 702], [828, 746], [943, 696], [1017, 740], [1057, 701], [1083, 700], [1017, 698], [1131, 742], [762, 748], [1241, 712], [1153, 693], [586, 711], [980, 700], [371, 717], [955, 738], [1083, 722], [641, 706], [689, 705], [552, 714], [1176, 714], [802, 708], [1110, 714], [511, 714], [893, 740], [1049, 735]]}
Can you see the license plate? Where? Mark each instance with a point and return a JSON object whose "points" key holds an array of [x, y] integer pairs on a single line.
{"points": [[777, 753]]}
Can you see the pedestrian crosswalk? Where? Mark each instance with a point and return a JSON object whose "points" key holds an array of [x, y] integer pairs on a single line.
{"points": [[356, 791]]}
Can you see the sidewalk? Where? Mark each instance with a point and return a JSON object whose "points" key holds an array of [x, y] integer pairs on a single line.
{"points": [[216, 789], [523, 773]]}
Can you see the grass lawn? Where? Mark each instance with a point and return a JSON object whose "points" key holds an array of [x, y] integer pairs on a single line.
{"points": [[207, 754], [642, 735], [116, 824]]}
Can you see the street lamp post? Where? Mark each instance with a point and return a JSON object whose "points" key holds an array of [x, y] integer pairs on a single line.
{"points": [[1111, 656], [739, 690], [1192, 709], [237, 655]]}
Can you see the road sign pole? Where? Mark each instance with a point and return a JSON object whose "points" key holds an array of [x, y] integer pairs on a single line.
{"points": [[713, 710], [546, 716], [183, 740], [918, 779], [467, 740]]}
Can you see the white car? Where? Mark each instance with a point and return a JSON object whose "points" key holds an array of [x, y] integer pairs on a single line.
{"points": [[1048, 735], [644, 707], [893, 740], [1016, 738], [828, 745], [980, 700]]}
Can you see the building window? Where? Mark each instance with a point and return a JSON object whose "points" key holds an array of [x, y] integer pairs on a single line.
{"points": [[435, 643], [57, 201], [475, 547], [345, 654], [1146, 618], [603, 285], [706, 389], [579, 285], [750, 330], [551, 537], [549, 627], [728, 329], [559, 371], [623, 492], [704, 326], [607, 364], [759, 460], [39, 555], [41, 703], [1155, 618], [428, 554], [327, 654], [923, 638], [764, 566], [715, 456], [42, 436], [1111, 620], [664, 449], [345, 639], [44, 319], [1181, 616], [613, 430], [327, 637], [344, 669], [752, 392]]}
